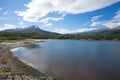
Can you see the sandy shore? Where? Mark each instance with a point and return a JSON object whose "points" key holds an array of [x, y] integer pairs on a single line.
{"points": [[11, 68]]}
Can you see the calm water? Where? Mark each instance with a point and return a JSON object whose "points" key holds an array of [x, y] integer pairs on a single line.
{"points": [[74, 59]]}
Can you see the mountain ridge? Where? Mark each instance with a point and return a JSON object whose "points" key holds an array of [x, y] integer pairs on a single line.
{"points": [[103, 31], [32, 28]]}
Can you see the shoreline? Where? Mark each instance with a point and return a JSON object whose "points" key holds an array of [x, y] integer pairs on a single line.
{"points": [[11, 68]]}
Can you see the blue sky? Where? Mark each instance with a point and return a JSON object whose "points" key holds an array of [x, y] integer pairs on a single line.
{"points": [[60, 16]]}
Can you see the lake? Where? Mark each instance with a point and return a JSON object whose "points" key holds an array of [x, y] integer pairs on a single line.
{"points": [[74, 59]]}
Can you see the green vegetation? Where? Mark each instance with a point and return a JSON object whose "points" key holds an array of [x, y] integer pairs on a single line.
{"points": [[2, 70], [22, 35], [35, 35]]}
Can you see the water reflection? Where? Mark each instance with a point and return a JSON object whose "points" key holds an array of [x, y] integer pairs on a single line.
{"points": [[75, 60]]}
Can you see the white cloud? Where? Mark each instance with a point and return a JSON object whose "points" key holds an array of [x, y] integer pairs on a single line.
{"points": [[111, 24], [114, 22], [46, 20], [117, 16], [7, 26], [48, 24], [22, 24], [3, 11], [38, 9], [95, 23], [65, 31], [94, 18]]}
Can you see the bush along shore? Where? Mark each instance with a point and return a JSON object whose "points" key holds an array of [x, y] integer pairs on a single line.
{"points": [[11, 68]]}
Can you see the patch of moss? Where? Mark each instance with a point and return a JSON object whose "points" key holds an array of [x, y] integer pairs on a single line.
{"points": [[2, 70]]}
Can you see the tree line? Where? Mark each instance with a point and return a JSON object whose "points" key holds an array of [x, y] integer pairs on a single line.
{"points": [[35, 35]]}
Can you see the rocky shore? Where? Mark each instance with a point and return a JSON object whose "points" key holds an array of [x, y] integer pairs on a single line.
{"points": [[11, 68]]}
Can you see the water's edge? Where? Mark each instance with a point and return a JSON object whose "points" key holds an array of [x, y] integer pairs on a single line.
{"points": [[17, 66]]}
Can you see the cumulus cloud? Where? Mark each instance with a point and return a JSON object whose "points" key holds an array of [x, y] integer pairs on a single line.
{"points": [[38, 9], [112, 23], [7, 26], [80, 30]]}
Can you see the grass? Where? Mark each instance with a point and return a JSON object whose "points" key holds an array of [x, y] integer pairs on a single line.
{"points": [[2, 70], [11, 40]]}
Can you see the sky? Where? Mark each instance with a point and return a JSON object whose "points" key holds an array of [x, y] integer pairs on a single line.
{"points": [[61, 16]]}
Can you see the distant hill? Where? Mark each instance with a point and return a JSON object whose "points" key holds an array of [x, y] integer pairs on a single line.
{"points": [[32, 28], [34, 32], [102, 32]]}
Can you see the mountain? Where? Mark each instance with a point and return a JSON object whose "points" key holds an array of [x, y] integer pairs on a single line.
{"points": [[32, 28], [103, 31]]}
